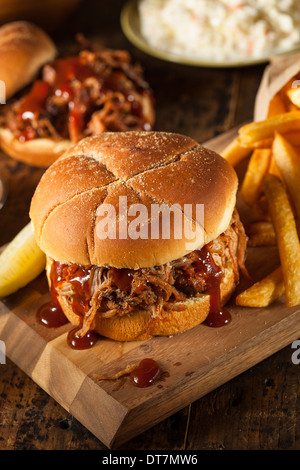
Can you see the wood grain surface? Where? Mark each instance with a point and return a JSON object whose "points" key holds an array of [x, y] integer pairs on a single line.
{"points": [[259, 409], [193, 363]]}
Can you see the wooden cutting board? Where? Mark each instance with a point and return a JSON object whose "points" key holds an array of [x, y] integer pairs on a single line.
{"points": [[193, 363]]}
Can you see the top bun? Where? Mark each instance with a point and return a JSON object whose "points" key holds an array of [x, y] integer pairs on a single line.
{"points": [[148, 168], [24, 48]]}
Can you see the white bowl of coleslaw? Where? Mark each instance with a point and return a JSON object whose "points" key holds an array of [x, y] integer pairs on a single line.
{"points": [[215, 31]]}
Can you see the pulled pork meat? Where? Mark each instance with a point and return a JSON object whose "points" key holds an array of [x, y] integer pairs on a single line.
{"points": [[113, 292], [94, 91]]}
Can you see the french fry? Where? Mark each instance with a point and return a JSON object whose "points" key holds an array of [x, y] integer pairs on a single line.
{"points": [[263, 144], [257, 168], [235, 153], [260, 210], [256, 131], [261, 234], [276, 106], [288, 162], [242, 146], [273, 168], [293, 137], [294, 96], [292, 107], [286, 236], [264, 292]]}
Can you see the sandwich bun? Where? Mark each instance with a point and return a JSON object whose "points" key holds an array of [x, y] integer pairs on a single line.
{"points": [[24, 48], [36, 152], [147, 167]]}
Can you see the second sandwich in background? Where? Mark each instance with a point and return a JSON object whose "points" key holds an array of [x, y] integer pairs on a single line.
{"points": [[90, 91]]}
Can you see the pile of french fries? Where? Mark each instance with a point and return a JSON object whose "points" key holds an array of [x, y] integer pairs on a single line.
{"points": [[271, 188]]}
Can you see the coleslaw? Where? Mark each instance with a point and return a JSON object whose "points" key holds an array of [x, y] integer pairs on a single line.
{"points": [[221, 29]]}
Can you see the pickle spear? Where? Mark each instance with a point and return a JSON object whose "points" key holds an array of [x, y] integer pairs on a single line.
{"points": [[20, 262]]}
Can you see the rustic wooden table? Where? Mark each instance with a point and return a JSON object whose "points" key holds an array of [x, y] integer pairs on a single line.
{"points": [[258, 409]]}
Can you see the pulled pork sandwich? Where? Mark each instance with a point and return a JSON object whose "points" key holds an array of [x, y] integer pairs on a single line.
{"points": [[67, 97], [136, 286]]}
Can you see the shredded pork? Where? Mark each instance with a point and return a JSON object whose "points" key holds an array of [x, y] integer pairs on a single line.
{"points": [[114, 292], [105, 92]]}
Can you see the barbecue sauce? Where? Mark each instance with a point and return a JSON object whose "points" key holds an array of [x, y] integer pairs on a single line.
{"points": [[79, 103], [81, 342], [207, 268], [31, 107], [80, 278], [122, 278], [68, 69], [34, 102], [146, 373], [51, 314]]}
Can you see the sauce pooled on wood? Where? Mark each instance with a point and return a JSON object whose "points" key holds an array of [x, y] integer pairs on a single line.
{"points": [[146, 373]]}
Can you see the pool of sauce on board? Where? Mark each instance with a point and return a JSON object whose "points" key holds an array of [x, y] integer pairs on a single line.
{"points": [[146, 373]]}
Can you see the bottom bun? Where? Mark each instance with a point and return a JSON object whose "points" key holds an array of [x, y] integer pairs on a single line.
{"points": [[140, 325], [40, 152]]}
